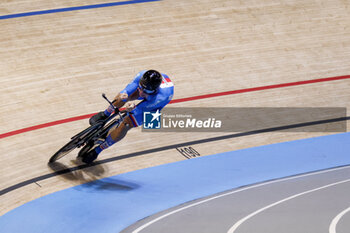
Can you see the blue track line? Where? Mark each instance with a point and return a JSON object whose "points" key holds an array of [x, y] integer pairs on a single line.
{"points": [[74, 8]]}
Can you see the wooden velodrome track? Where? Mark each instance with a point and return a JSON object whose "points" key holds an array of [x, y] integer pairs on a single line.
{"points": [[55, 66]]}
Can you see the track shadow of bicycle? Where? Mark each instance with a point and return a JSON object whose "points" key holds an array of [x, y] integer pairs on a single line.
{"points": [[91, 177]]}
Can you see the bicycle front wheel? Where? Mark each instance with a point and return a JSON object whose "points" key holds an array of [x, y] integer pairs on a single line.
{"points": [[77, 141], [65, 150]]}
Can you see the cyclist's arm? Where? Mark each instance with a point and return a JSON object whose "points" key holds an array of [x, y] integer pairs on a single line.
{"points": [[146, 106], [127, 93]]}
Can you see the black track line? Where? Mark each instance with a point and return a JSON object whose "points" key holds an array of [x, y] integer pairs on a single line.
{"points": [[174, 146]]}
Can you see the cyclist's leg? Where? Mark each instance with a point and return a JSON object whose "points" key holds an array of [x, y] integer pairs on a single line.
{"points": [[114, 136], [119, 133]]}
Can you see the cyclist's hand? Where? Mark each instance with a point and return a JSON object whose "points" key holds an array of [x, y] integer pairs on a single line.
{"points": [[129, 106], [124, 97]]}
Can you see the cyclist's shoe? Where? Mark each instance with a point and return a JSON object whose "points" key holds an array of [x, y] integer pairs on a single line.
{"points": [[88, 153], [85, 149], [97, 118], [89, 156]]}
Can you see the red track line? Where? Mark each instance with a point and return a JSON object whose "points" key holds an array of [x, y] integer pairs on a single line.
{"points": [[15, 132], [259, 88], [35, 127]]}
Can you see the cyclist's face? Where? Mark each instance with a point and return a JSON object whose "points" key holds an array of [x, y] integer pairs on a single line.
{"points": [[142, 93]]}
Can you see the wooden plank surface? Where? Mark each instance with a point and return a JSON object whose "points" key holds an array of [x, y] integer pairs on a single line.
{"points": [[55, 66]]}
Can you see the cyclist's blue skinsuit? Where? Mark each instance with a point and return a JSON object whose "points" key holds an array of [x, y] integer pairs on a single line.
{"points": [[152, 102]]}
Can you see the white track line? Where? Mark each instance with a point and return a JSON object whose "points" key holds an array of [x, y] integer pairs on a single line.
{"points": [[240, 222], [333, 226], [229, 193]]}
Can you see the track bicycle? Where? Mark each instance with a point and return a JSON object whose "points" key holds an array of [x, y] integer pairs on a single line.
{"points": [[90, 135]]}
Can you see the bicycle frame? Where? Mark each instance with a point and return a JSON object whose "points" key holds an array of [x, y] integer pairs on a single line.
{"points": [[91, 134], [107, 125]]}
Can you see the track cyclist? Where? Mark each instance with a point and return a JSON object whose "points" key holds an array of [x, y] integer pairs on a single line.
{"points": [[154, 88]]}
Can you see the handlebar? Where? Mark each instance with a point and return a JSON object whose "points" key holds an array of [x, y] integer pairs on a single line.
{"points": [[117, 110], [111, 103]]}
